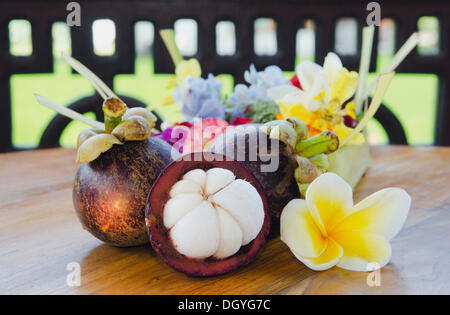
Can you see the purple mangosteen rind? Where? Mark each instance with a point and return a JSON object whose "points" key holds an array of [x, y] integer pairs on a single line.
{"points": [[159, 235], [110, 193]]}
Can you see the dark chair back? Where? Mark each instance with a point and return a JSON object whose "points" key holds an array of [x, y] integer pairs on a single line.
{"points": [[290, 15]]}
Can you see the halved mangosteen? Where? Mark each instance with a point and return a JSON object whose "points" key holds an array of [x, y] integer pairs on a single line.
{"points": [[255, 150], [207, 215]]}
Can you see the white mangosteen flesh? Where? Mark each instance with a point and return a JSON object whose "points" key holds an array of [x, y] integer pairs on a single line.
{"points": [[212, 214]]}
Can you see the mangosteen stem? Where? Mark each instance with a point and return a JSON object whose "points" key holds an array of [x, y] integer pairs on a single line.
{"points": [[281, 130], [300, 128], [325, 142], [113, 108]]}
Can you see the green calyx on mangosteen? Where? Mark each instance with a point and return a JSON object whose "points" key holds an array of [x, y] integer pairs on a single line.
{"points": [[207, 215], [121, 124]]}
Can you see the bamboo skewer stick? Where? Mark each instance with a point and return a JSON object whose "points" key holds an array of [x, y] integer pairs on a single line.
{"points": [[101, 87], [67, 112], [401, 54], [366, 53], [382, 85], [168, 37]]}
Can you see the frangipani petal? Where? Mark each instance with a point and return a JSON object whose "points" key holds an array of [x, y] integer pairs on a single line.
{"points": [[299, 232], [362, 250], [328, 259], [329, 199], [307, 72], [383, 212]]}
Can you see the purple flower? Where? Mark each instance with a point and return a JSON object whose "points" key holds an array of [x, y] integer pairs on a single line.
{"points": [[200, 98], [244, 95], [271, 76], [175, 136]]}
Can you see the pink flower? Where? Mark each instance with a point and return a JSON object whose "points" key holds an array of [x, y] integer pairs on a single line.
{"points": [[239, 120], [202, 133], [295, 81]]}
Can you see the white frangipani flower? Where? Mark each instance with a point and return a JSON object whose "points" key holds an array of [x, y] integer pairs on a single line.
{"points": [[326, 229]]}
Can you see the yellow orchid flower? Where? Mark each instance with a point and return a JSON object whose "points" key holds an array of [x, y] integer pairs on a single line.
{"points": [[343, 83], [321, 86], [298, 111], [319, 103], [187, 68], [326, 229], [183, 69], [343, 132], [350, 110], [344, 86]]}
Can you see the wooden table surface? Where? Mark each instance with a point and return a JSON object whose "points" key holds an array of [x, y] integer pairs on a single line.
{"points": [[40, 235]]}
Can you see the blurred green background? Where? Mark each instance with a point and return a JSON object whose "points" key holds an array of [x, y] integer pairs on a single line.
{"points": [[412, 97]]}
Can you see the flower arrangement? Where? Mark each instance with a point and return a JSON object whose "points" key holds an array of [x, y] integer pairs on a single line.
{"points": [[206, 212], [323, 97], [320, 103]]}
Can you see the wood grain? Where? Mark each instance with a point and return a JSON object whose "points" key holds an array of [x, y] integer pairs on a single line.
{"points": [[40, 235]]}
